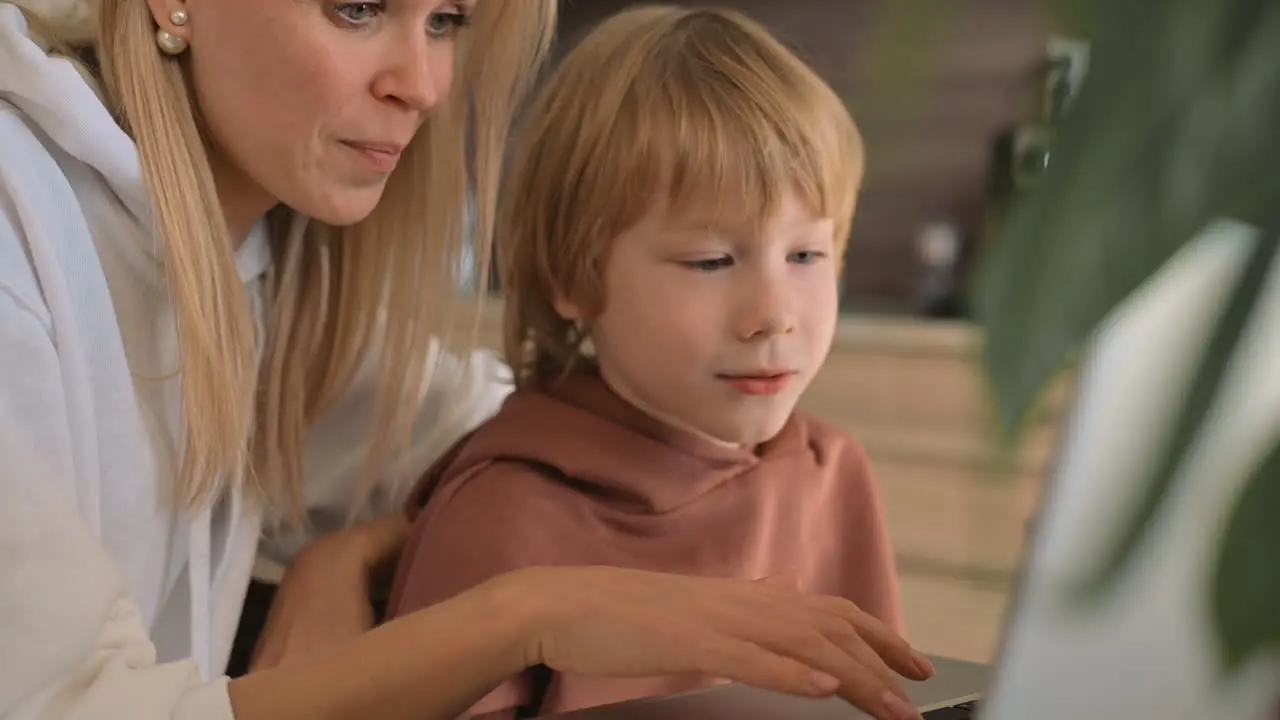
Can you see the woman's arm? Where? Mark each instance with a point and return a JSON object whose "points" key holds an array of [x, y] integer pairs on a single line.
{"points": [[434, 664], [72, 642], [438, 662]]}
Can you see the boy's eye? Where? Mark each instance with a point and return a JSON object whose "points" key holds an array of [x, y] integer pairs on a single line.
{"points": [[807, 257], [708, 264]]}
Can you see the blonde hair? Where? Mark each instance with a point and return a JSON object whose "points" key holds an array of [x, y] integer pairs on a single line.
{"points": [[667, 105], [338, 295]]}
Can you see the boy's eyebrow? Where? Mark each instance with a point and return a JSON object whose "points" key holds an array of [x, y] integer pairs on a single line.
{"points": [[741, 230], [692, 225], [813, 225]]}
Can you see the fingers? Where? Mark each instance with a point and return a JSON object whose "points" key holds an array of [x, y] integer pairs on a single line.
{"points": [[761, 667], [890, 648], [830, 645], [751, 664], [835, 636], [864, 679], [888, 645], [845, 637], [787, 625]]}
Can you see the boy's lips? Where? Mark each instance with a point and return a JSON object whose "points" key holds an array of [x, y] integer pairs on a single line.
{"points": [[759, 383]]}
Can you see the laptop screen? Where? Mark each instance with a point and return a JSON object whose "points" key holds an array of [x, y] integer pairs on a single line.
{"points": [[1147, 648]]}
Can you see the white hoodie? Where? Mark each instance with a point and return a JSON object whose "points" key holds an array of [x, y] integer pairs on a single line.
{"points": [[110, 605]]}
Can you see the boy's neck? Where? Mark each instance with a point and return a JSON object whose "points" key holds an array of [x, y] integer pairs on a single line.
{"points": [[621, 391]]}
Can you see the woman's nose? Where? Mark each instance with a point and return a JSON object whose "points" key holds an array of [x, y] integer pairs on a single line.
{"points": [[413, 80]]}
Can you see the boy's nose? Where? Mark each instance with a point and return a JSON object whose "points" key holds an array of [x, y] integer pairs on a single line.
{"points": [[767, 311]]}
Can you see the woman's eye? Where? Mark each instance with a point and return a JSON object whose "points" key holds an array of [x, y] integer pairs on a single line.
{"points": [[359, 13], [709, 264], [447, 24]]}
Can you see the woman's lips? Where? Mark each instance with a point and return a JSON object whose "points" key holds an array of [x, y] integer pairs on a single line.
{"points": [[380, 157]]}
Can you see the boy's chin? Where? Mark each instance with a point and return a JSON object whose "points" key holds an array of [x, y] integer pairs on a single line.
{"points": [[750, 434]]}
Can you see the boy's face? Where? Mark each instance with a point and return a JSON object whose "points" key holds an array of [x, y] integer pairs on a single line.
{"points": [[718, 328]]}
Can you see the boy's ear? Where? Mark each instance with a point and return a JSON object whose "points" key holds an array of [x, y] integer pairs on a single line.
{"points": [[568, 309]]}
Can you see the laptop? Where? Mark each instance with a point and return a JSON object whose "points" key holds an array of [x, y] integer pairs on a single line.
{"points": [[1148, 652], [949, 695]]}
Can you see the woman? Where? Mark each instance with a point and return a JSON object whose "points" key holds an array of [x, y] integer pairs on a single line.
{"points": [[227, 243]]}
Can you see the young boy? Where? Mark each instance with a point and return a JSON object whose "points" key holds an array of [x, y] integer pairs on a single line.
{"points": [[672, 245]]}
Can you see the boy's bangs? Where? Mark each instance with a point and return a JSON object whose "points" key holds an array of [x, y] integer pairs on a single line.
{"points": [[729, 148], [725, 163]]}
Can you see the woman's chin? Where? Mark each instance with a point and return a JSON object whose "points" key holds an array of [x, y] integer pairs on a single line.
{"points": [[341, 207]]}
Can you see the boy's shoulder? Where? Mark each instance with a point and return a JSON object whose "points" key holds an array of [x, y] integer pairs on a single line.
{"points": [[497, 491], [521, 455], [830, 442], [821, 428], [477, 463]]}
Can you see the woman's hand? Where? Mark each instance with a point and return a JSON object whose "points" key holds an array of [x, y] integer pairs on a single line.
{"points": [[323, 600], [608, 621]]}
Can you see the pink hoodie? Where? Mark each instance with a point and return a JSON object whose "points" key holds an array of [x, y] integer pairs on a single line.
{"points": [[580, 477]]}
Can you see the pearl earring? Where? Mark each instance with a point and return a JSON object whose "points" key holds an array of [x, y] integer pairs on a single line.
{"points": [[169, 43]]}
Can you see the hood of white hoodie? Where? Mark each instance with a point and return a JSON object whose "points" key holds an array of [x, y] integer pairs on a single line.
{"points": [[75, 20], [58, 98]]}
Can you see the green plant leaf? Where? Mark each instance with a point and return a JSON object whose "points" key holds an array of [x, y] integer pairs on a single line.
{"points": [[1172, 128], [1195, 408], [1246, 587]]}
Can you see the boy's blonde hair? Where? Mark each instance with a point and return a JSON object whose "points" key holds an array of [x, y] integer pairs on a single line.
{"points": [[340, 297], [667, 106]]}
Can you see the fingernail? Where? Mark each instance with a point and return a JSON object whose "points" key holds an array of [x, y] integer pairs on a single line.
{"points": [[923, 665], [897, 708], [823, 682]]}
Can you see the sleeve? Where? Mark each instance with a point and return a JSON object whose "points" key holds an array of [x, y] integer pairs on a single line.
{"points": [[498, 519], [72, 644], [460, 392]]}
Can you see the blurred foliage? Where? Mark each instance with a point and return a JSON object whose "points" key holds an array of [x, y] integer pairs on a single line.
{"points": [[1247, 581], [1174, 127]]}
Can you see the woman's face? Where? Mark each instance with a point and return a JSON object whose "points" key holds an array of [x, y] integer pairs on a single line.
{"points": [[310, 102]]}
